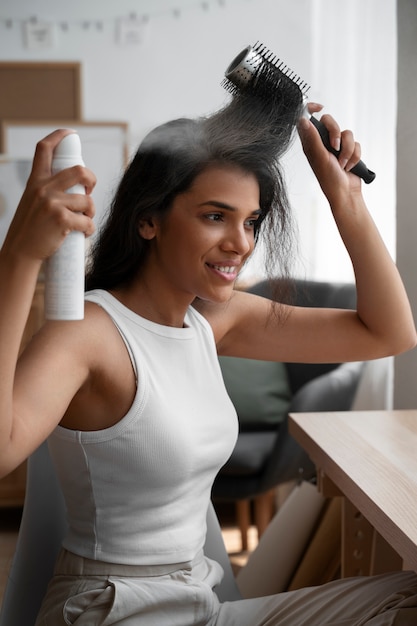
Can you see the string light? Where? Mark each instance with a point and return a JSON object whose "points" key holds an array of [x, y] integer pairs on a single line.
{"points": [[85, 24], [134, 34]]}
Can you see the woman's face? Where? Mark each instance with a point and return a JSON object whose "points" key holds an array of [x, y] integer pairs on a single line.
{"points": [[200, 245]]}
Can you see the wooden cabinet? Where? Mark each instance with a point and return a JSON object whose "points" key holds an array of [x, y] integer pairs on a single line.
{"points": [[12, 487]]}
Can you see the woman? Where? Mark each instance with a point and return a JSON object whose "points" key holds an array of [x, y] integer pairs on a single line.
{"points": [[137, 416]]}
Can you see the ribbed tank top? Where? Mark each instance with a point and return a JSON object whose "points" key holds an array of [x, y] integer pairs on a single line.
{"points": [[137, 492]]}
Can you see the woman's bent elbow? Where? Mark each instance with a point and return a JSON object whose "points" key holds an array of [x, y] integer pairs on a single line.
{"points": [[405, 343]]}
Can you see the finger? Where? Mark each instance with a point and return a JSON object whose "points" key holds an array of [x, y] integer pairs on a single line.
{"points": [[74, 203], [307, 133], [44, 152], [84, 224], [347, 149], [334, 131], [311, 138], [69, 212], [312, 143], [314, 107], [75, 175], [355, 158], [79, 223], [80, 203]]}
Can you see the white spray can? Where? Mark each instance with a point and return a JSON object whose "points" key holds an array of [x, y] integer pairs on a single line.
{"points": [[64, 272]]}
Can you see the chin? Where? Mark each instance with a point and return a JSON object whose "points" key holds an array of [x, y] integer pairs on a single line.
{"points": [[220, 296]]}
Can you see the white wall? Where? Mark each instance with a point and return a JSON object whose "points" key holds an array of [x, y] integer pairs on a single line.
{"points": [[345, 50], [346, 54], [405, 389], [177, 69]]}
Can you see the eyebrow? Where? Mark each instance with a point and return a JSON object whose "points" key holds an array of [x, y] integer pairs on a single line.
{"points": [[227, 207]]}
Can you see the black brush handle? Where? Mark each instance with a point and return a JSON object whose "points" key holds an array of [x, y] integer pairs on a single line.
{"points": [[360, 168]]}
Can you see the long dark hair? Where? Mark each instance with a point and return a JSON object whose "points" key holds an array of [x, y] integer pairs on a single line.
{"points": [[243, 134]]}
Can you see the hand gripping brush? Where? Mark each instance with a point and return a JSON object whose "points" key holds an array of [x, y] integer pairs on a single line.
{"points": [[258, 72]]}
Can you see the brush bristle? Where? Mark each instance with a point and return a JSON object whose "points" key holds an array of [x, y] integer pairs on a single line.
{"points": [[267, 99], [268, 77]]}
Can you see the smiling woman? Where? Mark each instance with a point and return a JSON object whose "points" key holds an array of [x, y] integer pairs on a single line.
{"points": [[138, 420], [178, 153], [196, 252]]}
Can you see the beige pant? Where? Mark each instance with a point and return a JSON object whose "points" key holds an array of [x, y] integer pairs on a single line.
{"points": [[90, 593]]}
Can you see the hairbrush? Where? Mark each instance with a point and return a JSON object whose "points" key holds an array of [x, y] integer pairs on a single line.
{"points": [[258, 72]]}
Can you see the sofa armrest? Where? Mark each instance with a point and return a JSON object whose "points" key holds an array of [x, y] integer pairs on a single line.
{"points": [[334, 391]]}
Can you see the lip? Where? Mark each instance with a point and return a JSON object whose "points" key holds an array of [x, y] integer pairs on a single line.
{"points": [[228, 270]]}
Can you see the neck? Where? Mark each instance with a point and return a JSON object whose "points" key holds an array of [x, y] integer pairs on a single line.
{"points": [[153, 303]]}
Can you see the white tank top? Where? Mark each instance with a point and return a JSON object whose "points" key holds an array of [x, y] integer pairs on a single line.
{"points": [[138, 492]]}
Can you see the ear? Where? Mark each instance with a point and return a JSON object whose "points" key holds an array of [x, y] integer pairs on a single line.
{"points": [[147, 228]]}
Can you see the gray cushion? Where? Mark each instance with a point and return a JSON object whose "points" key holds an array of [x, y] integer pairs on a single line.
{"points": [[259, 390]]}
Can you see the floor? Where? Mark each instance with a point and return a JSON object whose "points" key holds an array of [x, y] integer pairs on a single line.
{"points": [[10, 520], [231, 536]]}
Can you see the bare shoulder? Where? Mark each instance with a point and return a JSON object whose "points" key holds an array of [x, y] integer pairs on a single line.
{"points": [[103, 342], [108, 391], [229, 319], [68, 351], [69, 373], [77, 339], [97, 344]]}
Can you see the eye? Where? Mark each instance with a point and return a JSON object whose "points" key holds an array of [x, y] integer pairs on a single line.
{"points": [[251, 223], [214, 217]]}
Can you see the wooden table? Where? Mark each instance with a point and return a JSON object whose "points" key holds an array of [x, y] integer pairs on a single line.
{"points": [[371, 458]]}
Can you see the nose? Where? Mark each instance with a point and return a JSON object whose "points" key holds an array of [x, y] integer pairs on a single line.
{"points": [[239, 240]]}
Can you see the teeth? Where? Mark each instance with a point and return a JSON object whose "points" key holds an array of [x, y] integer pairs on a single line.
{"points": [[225, 269]]}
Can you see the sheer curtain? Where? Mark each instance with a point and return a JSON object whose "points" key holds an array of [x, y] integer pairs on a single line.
{"points": [[354, 74], [353, 60], [354, 67]]}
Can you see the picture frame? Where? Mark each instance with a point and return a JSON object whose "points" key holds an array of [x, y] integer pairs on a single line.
{"points": [[39, 90]]}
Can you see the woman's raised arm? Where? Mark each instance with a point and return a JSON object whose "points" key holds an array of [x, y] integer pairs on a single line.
{"points": [[45, 215], [383, 323]]}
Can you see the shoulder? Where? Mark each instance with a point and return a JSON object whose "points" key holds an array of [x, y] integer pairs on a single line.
{"points": [[100, 333], [228, 319], [83, 341], [108, 391]]}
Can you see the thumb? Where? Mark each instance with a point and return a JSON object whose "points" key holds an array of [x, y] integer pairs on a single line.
{"points": [[306, 131], [42, 160]]}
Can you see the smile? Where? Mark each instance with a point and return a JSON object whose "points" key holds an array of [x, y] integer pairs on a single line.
{"points": [[227, 272], [226, 269]]}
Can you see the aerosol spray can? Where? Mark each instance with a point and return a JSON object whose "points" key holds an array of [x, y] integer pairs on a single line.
{"points": [[64, 272]]}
